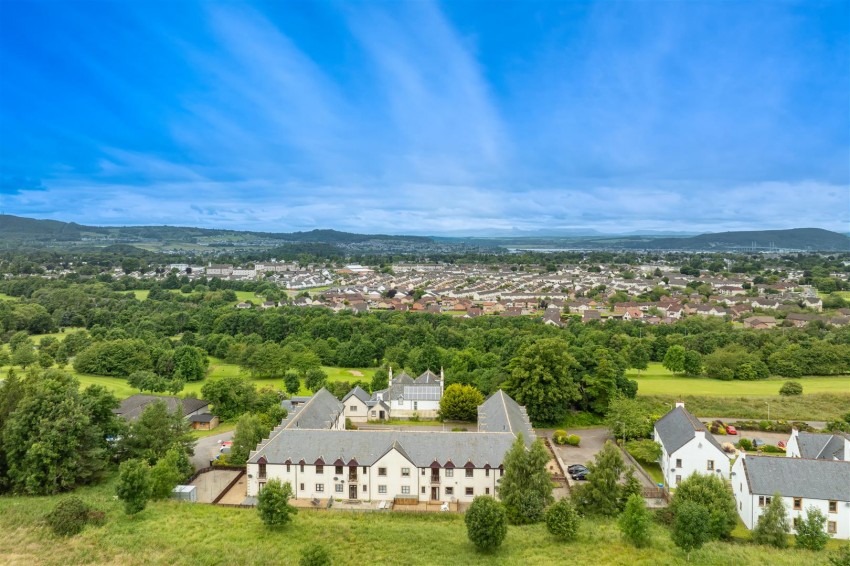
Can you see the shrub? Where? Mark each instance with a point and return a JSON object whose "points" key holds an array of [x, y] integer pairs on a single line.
{"points": [[273, 504], [562, 520], [635, 521], [134, 486], [790, 388], [715, 496], [69, 517], [349, 425], [772, 527], [647, 451], [560, 437], [573, 440], [689, 532], [840, 557], [771, 449], [745, 444], [810, 532], [315, 555], [486, 523]]}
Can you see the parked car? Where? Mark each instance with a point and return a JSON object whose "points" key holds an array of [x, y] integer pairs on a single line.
{"points": [[758, 442], [224, 448], [580, 476], [731, 429], [575, 468], [781, 444]]}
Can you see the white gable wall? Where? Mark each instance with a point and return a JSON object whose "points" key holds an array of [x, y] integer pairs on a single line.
{"points": [[695, 456]]}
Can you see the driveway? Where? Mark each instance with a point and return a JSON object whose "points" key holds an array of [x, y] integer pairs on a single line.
{"points": [[207, 448], [592, 441]]}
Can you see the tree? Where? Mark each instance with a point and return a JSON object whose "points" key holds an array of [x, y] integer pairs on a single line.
{"points": [[810, 532], [609, 484], [156, 431], [639, 356], [134, 486], [273, 504], [190, 363], [840, 557], [144, 380], [526, 487], [69, 517], [315, 379], [674, 359], [713, 494], [635, 521], [544, 378], [486, 523], [772, 527], [562, 520], [292, 382], [689, 532], [230, 395], [628, 418], [692, 363], [249, 432], [24, 355], [168, 472], [460, 403], [380, 380], [315, 555], [791, 388]]}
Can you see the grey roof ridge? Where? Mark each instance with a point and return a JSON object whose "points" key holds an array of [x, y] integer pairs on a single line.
{"points": [[505, 407], [302, 410]]}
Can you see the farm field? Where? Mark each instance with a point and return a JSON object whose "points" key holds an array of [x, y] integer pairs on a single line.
{"points": [[179, 533], [656, 380]]}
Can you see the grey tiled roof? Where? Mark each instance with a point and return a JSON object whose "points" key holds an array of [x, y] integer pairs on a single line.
{"points": [[798, 477], [678, 427], [357, 392], [424, 388], [422, 448], [319, 412], [823, 446], [427, 378], [132, 407], [500, 413]]}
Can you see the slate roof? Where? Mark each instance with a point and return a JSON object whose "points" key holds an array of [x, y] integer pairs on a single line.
{"points": [[319, 412], [427, 378], [132, 407], [422, 448], [678, 427], [822, 446], [359, 393], [798, 477], [500, 413], [424, 388]]}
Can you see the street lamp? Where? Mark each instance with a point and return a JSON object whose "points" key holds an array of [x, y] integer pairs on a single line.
{"points": [[768, 410], [623, 425]]}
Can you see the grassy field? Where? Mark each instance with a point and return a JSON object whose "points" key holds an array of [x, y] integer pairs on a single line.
{"points": [[814, 407], [5, 297], [656, 380], [180, 533], [141, 294]]}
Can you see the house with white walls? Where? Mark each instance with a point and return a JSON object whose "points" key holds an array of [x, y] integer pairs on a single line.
{"points": [[407, 397], [819, 446], [801, 482], [687, 447]]}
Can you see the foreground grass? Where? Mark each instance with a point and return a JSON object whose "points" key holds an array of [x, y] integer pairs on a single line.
{"points": [[181, 533], [814, 407]]}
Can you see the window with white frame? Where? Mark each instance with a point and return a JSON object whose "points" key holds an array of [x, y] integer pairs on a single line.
{"points": [[320, 469], [320, 487], [470, 491], [353, 408], [450, 473], [405, 490], [405, 472], [382, 489], [764, 500]]}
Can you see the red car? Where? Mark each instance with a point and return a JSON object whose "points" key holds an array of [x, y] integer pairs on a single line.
{"points": [[781, 444], [731, 429]]}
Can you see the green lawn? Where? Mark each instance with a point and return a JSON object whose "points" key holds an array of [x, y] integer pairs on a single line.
{"points": [[175, 533], [5, 297], [656, 380], [141, 294], [814, 407], [37, 338]]}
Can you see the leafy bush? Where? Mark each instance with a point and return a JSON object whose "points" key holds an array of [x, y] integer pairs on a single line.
{"points": [[647, 451], [810, 532], [69, 517], [562, 520], [560, 437], [771, 449], [273, 504], [745, 444], [573, 440], [840, 557], [486, 523], [315, 555], [790, 388], [635, 521], [715, 496]]}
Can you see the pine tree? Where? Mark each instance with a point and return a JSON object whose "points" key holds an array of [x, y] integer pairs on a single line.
{"points": [[773, 526], [526, 488]]}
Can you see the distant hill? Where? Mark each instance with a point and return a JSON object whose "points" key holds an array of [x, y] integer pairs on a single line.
{"points": [[815, 239]]}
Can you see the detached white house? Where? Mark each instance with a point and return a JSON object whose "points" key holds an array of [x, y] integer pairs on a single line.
{"points": [[802, 483], [688, 448], [820, 446]]}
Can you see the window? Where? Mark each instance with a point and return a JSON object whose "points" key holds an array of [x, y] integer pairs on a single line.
{"points": [[450, 491], [320, 487], [501, 472], [470, 491], [833, 506], [764, 500], [405, 472], [469, 472], [678, 480], [423, 489], [373, 413], [364, 488], [450, 473], [423, 471], [353, 408], [302, 487], [486, 491], [415, 405], [320, 469], [832, 527], [382, 471], [287, 468], [338, 470], [364, 469], [487, 472], [382, 489], [678, 462], [710, 466], [405, 490], [338, 487], [262, 485], [798, 503], [262, 471], [302, 467]]}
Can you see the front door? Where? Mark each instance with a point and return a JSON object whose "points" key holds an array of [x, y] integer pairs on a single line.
{"points": [[435, 493], [352, 491], [382, 415]]}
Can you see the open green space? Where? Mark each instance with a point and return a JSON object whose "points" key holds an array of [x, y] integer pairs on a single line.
{"points": [[182, 533], [814, 407], [656, 380], [141, 294], [5, 297]]}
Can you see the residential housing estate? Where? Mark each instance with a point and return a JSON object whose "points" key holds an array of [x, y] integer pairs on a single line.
{"points": [[309, 451]]}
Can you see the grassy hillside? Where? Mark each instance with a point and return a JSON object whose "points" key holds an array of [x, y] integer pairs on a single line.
{"points": [[181, 533]]}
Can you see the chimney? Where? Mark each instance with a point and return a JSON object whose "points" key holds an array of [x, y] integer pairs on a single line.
{"points": [[794, 432], [391, 376], [442, 381], [680, 404]]}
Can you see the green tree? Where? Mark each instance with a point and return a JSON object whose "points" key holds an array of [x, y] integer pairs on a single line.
{"points": [[791, 388], [273, 504], [610, 483], [693, 363], [486, 523], [562, 520], [639, 356], [249, 432], [144, 380], [292, 382], [674, 359], [169, 471], [647, 451], [24, 355], [315, 379], [810, 531], [460, 403], [134, 486], [156, 431], [636, 521], [230, 395], [773, 527], [190, 363], [689, 532], [315, 555], [711, 492], [629, 418], [526, 487], [544, 378]]}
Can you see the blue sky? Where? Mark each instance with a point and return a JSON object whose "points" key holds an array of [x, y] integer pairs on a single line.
{"points": [[428, 118]]}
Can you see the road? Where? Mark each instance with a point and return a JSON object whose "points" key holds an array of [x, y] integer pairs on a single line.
{"points": [[207, 448]]}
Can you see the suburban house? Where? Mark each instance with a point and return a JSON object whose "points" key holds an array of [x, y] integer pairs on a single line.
{"points": [[802, 483], [389, 465], [407, 397], [358, 403], [320, 411], [132, 407], [687, 447], [818, 446]]}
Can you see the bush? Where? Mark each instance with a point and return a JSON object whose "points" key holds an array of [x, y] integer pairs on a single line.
{"points": [[273, 504], [69, 517], [635, 521], [486, 523], [840, 557], [315, 555], [715, 496], [745, 444], [560, 437], [573, 440], [562, 520], [647, 451], [349, 425], [810, 532], [790, 388], [771, 449]]}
